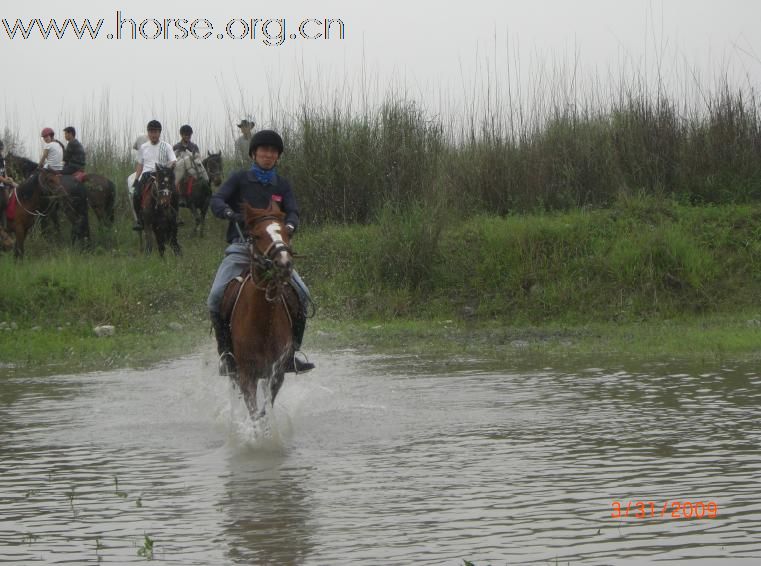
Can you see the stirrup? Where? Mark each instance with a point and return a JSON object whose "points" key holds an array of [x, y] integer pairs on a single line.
{"points": [[295, 365], [137, 226], [227, 365]]}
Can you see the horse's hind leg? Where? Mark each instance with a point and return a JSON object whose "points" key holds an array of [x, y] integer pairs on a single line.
{"points": [[160, 243], [196, 221], [173, 242]]}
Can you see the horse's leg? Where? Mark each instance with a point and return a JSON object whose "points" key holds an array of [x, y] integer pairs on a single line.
{"points": [[176, 246], [160, 239], [194, 211], [148, 231], [276, 381], [173, 231], [51, 221], [76, 210], [94, 199], [148, 241], [251, 398], [21, 225], [204, 211]]}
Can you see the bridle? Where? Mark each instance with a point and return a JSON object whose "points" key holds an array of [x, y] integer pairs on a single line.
{"points": [[263, 263], [162, 195]]}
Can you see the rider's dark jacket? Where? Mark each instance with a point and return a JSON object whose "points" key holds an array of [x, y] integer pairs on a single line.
{"points": [[74, 155], [243, 187]]}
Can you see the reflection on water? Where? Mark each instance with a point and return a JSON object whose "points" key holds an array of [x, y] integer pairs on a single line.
{"points": [[382, 460]]}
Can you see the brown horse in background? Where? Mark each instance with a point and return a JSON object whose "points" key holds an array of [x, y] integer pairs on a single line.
{"points": [[261, 324], [101, 191], [43, 194], [101, 196]]}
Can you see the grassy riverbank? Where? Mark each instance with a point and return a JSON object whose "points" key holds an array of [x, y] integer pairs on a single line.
{"points": [[647, 277]]}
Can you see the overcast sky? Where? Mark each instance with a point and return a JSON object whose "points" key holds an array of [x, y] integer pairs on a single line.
{"points": [[442, 55]]}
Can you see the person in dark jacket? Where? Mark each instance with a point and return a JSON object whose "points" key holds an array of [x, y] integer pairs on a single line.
{"points": [[186, 132], [256, 187], [73, 154]]}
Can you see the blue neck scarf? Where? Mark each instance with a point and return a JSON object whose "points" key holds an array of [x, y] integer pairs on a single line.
{"points": [[264, 176]]}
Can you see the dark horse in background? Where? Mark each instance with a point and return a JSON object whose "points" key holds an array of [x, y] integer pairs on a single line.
{"points": [[101, 196], [262, 306], [158, 211], [213, 165], [42, 194], [101, 192]]}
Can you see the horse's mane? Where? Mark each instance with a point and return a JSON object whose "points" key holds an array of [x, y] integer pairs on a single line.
{"points": [[26, 166], [26, 188], [187, 162]]}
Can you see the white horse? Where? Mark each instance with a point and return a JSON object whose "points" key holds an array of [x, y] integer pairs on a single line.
{"points": [[189, 165]]}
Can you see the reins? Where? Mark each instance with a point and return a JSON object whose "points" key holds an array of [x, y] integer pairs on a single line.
{"points": [[261, 263], [51, 198]]}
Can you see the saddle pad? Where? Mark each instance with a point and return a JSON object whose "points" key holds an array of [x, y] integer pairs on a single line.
{"points": [[10, 209]]}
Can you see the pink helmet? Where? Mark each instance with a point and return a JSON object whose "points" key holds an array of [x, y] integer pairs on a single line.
{"points": [[47, 132]]}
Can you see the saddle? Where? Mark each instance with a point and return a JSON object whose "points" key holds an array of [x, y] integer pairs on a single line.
{"points": [[233, 289]]}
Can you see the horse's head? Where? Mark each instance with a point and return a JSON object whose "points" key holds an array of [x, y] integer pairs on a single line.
{"points": [[213, 165], [270, 241], [164, 185]]}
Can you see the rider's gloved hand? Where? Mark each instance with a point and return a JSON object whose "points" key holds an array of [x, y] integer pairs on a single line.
{"points": [[230, 214]]}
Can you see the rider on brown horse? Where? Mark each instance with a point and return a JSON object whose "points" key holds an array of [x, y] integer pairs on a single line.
{"points": [[255, 186], [151, 153]]}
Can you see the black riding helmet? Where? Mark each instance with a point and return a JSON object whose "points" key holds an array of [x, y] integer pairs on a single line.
{"points": [[266, 137], [154, 125], [186, 129]]}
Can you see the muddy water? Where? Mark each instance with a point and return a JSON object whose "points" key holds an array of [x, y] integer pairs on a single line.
{"points": [[383, 460]]}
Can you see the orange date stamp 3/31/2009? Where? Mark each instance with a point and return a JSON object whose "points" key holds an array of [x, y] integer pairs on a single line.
{"points": [[668, 510]]}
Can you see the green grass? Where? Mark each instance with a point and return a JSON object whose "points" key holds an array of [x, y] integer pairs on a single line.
{"points": [[647, 277]]}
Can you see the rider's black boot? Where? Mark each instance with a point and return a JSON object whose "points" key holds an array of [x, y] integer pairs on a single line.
{"points": [[136, 205], [295, 365], [224, 344]]}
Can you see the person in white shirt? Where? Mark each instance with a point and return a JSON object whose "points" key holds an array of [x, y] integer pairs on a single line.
{"points": [[52, 151], [153, 152]]}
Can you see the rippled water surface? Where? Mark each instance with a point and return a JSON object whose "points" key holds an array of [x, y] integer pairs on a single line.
{"points": [[382, 460]]}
